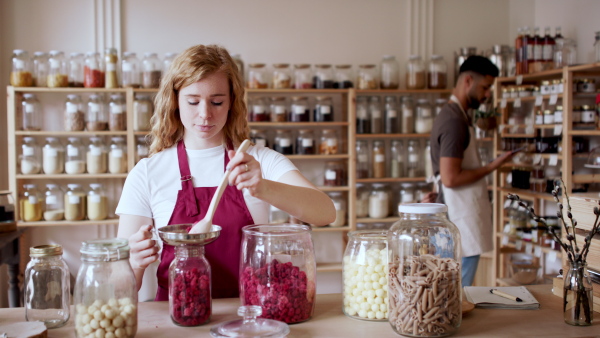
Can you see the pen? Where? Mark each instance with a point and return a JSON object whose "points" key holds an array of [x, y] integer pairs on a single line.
{"points": [[505, 295]]}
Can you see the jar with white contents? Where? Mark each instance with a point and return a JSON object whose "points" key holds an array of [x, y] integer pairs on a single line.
{"points": [[414, 157], [379, 201], [31, 157], [424, 120], [362, 201], [55, 207], [117, 158], [96, 157], [53, 157], [340, 209]]}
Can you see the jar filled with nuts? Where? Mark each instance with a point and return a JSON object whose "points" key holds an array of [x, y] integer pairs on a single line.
{"points": [[97, 119], [117, 156], [257, 76], [279, 109], [367, 77], [130, 70], [117, 118], [151, 70], [329, 142], [282, 76], [58, 73], [20, 75], [76, 69], [93, 71], [74, 116], [323, 78], [40, 69]]}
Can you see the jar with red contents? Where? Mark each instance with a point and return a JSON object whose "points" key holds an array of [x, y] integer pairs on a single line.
{"points": [[93, 71], [278, 271]]}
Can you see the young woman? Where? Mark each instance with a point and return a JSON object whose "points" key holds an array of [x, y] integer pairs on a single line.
{"points": [[200, 118]]}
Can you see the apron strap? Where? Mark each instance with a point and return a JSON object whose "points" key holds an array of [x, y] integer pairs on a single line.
{"points": [[187, 185]]}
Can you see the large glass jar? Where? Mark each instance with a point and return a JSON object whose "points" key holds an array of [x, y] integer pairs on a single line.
{"points": [[259, 110], [279, 259], [362, 201], [378, 159], [329, 144], [31, 157], [40, 69], [424, 243], [299, 110], [142, 113], [437, 73], [141, 148], [379, 201], [364, 274], [282, 76], [363, 118], [32, 113], [279, 109], [31, 204], [58, 73], [53, 157], [343, 77], [74, 115], [93, 71], [376, 115], [414, 157], [48, 286], [20, 74], [97, 119], [117, 157], [111, 59], [257, 76], [130, 70], [397, 159], [76, 69], [391, 123], [305, 142], [170, 57], [105, 295], [339, 202], [335, 174], [415, 73], [151, 70], [96, 156], [97, 203], [367, 77], [424, 120], [362, 159], [408, 115], [303, 76], [283, 142], [75, 203], [323, 78], [117, 118], [323, 109], [54, 199], [390, 72]]}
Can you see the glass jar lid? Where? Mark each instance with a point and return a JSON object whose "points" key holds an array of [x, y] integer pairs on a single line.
{"points": [[422, 208], [281, 65], [302, 66], [45, 250], [269, 230], [250, 326], [108, 250]]}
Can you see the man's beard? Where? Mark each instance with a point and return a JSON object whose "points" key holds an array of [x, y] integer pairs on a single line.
{"points": [[472, 101]]}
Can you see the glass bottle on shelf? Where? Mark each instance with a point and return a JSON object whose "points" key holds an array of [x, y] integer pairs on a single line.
{"points": [[323, 78], [130, 70], [415, 73], [362, 159], [279, 109], [437, 73], [32, 113], [74, 115], [20, 74], [141, 148], [412, 165], [96, 157], [362, 200], [97, 203], [367, 77], [323, 109], [117, 157], [303, 76], [111, 59], [259, 138], [257, 76], [117, 117], [142, 113], [378, 159], [47, 286], [170, 57], [31, 157], [282, 76], [329, 142], [40, 69], [390, 72], [343, 77], [335, 174], [58, 72], [75, 203], [391, 123], [340, 209], [151, 70], [408, 116], [93, 71], [76, 69], [363, 118], [31, 205], [53, 157], [97, 118], [424, 120], [305, 142], [299, 110], [259, 110], [379, 205], [75, 157], [397, 159], [54, 200], [376, 115], [283, 142]]}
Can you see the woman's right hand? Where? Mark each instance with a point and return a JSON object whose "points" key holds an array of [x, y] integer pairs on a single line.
{"points": [[143, 249]]}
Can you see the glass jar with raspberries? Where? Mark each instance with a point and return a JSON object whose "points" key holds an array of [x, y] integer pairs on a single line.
{"points": [[278, 271]]}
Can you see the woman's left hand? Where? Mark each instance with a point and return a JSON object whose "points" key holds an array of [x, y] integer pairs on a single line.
{"points": [[245, 172]]}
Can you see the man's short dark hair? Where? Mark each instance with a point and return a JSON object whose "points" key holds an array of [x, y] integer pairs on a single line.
{"points": [[480, 65]]}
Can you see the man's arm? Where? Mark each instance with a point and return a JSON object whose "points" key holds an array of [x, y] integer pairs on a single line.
{"points": [[453, 175]]}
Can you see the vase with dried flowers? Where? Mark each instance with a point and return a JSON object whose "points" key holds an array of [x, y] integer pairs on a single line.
{"points": [[577, 297]]}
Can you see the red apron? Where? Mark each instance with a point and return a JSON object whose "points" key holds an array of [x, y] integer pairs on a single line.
{"points": [[223, 254]]}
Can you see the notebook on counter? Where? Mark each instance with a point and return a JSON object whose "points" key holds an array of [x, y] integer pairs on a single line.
{"points": [[483, 298]]}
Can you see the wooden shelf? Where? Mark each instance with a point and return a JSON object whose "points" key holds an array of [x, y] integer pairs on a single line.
{"points": [[65, 223], [586, 178], [318, 157], [512, 245], [390, 180], [298, 124], [377, 220], [68, 90], [326, 189], [70, 133], [554, 73], [584, 132], [297, 91], [329, 267], [391, 136], [403, 91], [527, 194], [328, 228], [531, 98], [68, 176]]}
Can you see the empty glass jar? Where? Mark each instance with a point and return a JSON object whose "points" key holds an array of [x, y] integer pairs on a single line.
{"points": [[390, 72], [130, 70], [40, 69], [31, 112]]}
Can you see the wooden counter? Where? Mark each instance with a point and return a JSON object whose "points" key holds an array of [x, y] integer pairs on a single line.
{"points": [[328, 321]]}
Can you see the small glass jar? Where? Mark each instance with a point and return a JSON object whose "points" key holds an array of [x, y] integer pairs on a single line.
{"points": [[96, 156], [548, 116], [76, 70], [586, 86], [31, 112], [279, 109], [31, 204], [362, 159], [259, 138], [424, 243], [20, 74], [362, 201], [75, 157], [93, 71], [343, 77], [74, 115], [54, 201], [40, 69], [379, 201], [97, 118], [117, 157], [437, 73], [424, 120], [412, 163], [75, 203], [397, 159], [105, 287], [367, 77], [58, 72], [415, 73], [141, 149], [408, 116], [283, 142], [589, 118], [170, 57], [117, 117], [130, 70], [259, 111], [97, 203], [329, 144], [303, 76], [378, 159], [335, 174], [142, 113], [340, 209], [363, 117], [558, 114], [428, 165], [323, 111], [282, 76], [376, 115], [365, 261], [391, 123], [31, 157], [111, 60], [390, 72], [53, 157], [48, 286], [545, 87], [151, 70], [539, 116], [407, 194], [257, 76], [305, 142], [299, 111], [323, 77]]}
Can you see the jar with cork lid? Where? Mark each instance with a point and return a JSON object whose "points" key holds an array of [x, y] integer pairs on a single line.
{"points": [[303, 76], [97, 203], [31, 204], [54, 199], [329, 144], [282, 76], [343, 77], [75, 203], [259, 111], [367, 77], [257, 76], [96, 156], [279, 109], [323, 78], [117, 157]]}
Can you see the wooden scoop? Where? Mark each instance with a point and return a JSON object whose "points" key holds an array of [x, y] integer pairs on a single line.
{"points": [[205, 224]]}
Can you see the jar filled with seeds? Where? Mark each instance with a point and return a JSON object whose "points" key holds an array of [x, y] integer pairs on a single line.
{"points": [[74, 115], [117, 117], [97, 118], [93, 71]]}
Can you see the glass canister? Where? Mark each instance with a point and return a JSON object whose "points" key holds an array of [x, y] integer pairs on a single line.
{"points": [[323, 111], [362, 159], [97, 203], [74, 115], [278, 271], [303, 76], [335, 174], [437, 73], [379, 201], [415, 73], [414, 157], [424, 243], [343, 77], [259, 111], [364, 274], [305, 142], [97, 119], [378, 159], [397, 159], [40, 69], [7, 210], [376, 115], [257, 76], [329, 142], [259, 138], [339, 202], [20, 74], [390, 72], [55, 207], [130, 70], [31, 204], [424, 119], [47, 286], [362, 200], [363, 118], [96, 156], [111, 60], [93, 71], [407, 194], [299, 110], [279, 109], [117, 157], [323, 78], [408, 115], [282, 76], [75, 203], [105, 295], [141, 149], [53, 157], [117, 118], [58, 73], [170, 57], [391, 123], [76, 69], [32, 113], [31, 156], [142, 113], [367, 77], [151, 70], [283, 142]]}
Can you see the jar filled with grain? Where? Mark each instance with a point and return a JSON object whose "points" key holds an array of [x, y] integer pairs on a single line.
{"points": [[282, 76], [142, 113], [303, 76], [96, 156], [117, 117], [111, 60], [75, 156], [141, 148], [367, 77], [93, 71], [117, 157], [55, 207], [279, 109], [130, 71], [58, 73], [74, 115], [339, 202], [40, 69], [151, 70], [31, 157], [53, 157], [31, 204], [31, 113], [76, 69], [97, 117], [20, 74], [257, 76], [376, 115], [97, 203], [415, 73], [379, 159], [75, 203]]}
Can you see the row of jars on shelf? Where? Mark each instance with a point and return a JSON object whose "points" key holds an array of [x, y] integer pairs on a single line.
{"points": [[369, 76], [278, 109], [373, 160], [521, 226], [96, 114], [55, 205], [547, 87], [300, 142], [543, 145]]}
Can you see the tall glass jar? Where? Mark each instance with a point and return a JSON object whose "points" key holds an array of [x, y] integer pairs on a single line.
{"points": [[343, 77], [75, 203], [20, 74], [323, 109], [408, 115], [392, 122], [329, 143], [32, 113], [96, 156], [97, 118], [362, 159], [31, 156], [424, 243], [58, 73], [130, 71], [376, 115], [93, 71], [379, 201], [414, 158], [117, 117], [259, 111], [257, 76], [151, 70], [362, 200], [282, 76], [363, 118], [170, 57], [141, 148], [378, 159], [323, 78], [335, 174], [48, 286], [31, 204], [397, 159], [299, 111], [259, 138], [367, 77], [437, 73], [142, 113], [74, 115], [105, 293], [283, 142], [280, 258], [424, 120], [279, 109], [76, 69], [303, 76], [117, 157], [54, 200], [578, 295], [390, 72], [111, 60], [97, 203], [415, 73], [365, 261], [305, 142], [53, 157], [40, 69], [340, 209]]}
